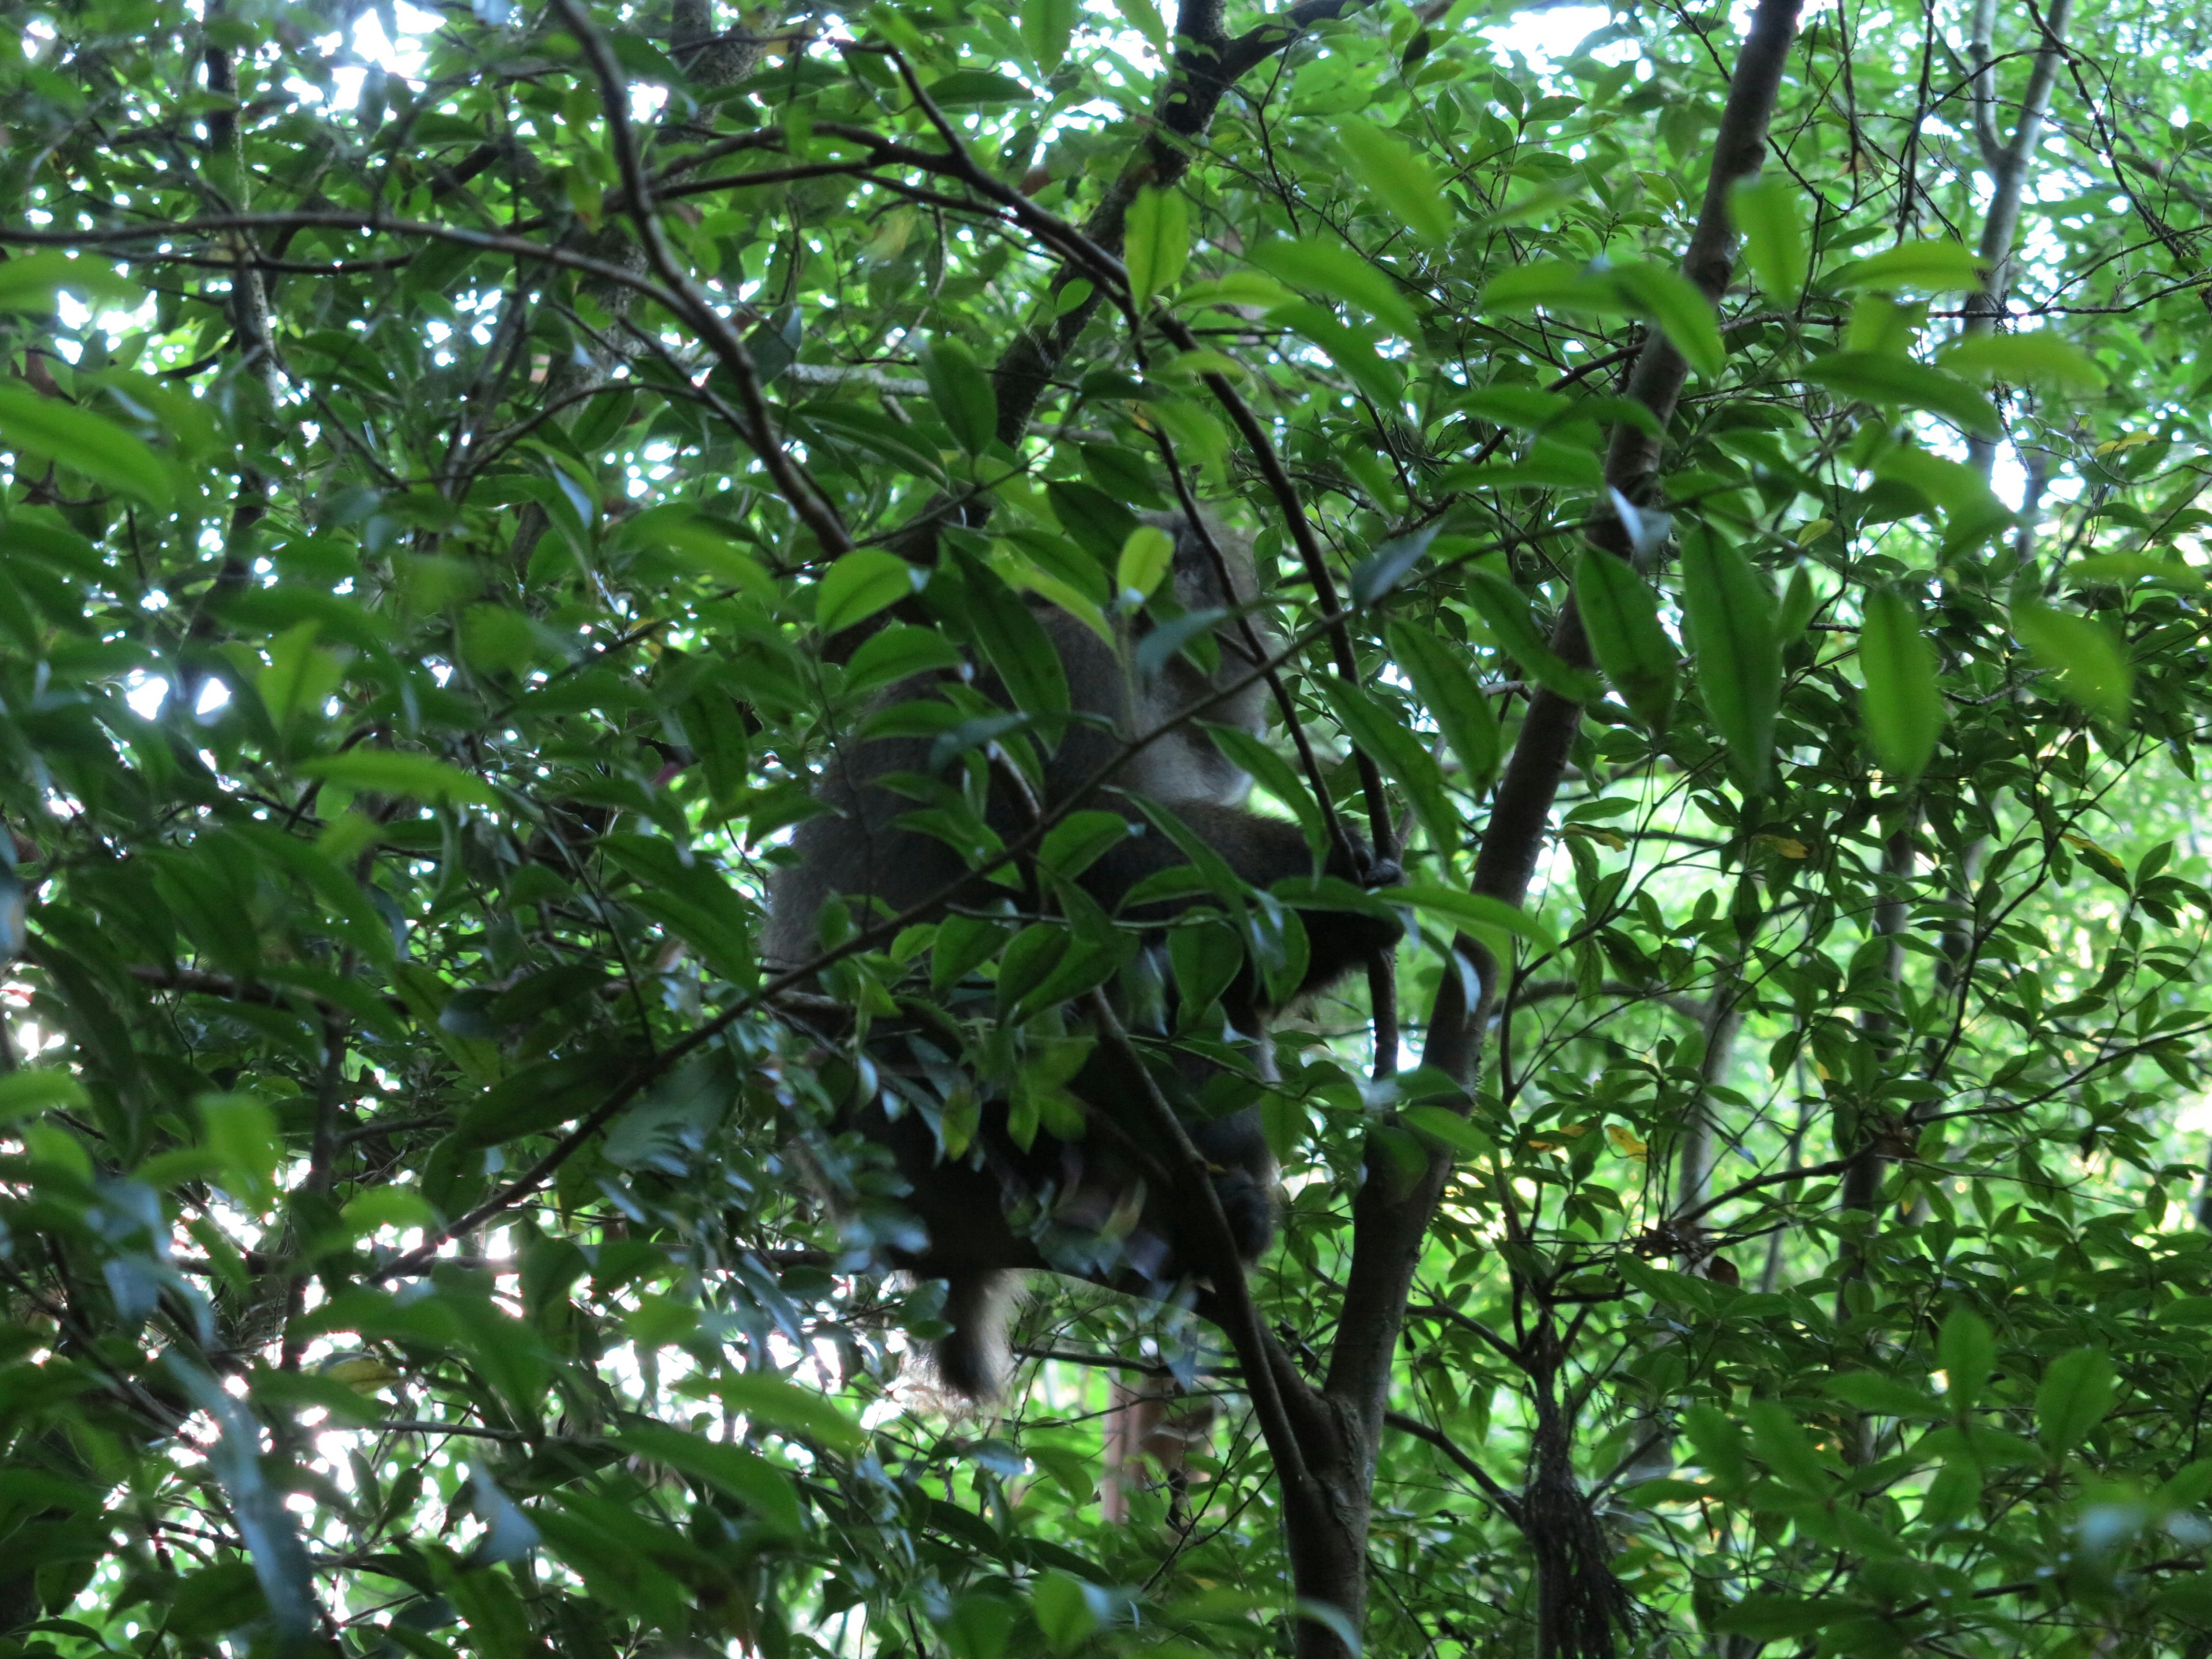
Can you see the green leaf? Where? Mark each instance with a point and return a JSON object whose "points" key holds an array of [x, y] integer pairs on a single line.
{"points": [[1505, 608], [1719, 1443], [2039, 358], [1621, 614], [1782, 1444], [1376, 575], [1144, 16], [1877, 377], [971, 87], [1331, 268], [2092, 665], [1402, 182], [769, 1491], [1067, 1609], [895, 653], [1966, 1352], [1684, 314], [1080, 839], [25, 1094], [299, 679], [2100, 569], [684, 893], [2075, 1392], [1444, 681], [83, 442], [1147, 555], [1387, 740], [1873, 1391], [391, 772], [1769, 214], [1932, 266], [789, 1407], [1277, 776], [1777, 1618], [1449, 1127], [1157, 244], [1048, 26], [241, 1132], [859, 585], [1351, 349], [1475, 911], [963, 394], [28, 282], [1015, 641], [1902, 708], [1734, 635]]}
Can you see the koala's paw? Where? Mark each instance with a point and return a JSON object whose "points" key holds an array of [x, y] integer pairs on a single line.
{"points": [[1382, 872]]}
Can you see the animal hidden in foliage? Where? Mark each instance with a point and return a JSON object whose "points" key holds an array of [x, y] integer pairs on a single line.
{"points": [[1019, 1136]]}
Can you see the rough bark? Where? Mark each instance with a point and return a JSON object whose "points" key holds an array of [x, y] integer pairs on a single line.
{"points": [[2008, 165]]}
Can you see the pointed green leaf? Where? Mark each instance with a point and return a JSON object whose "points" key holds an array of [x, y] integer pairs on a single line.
{"points": [[1776, 1437], [1405, 184], [1903, 710], [1476, 910], [1966, 1350], [1392, 745], [391, 772], [2040, 358], [963, 394], [859, 585], [2092, 665], [2075, 1392], [1146, 558], [1331, 268], [83, 442], [1621, 614], [1877, 377], [1156, 244], [1768, 213], [1046, 27], [772, 1401], [1734, 636], [769, 1491], [1932, 266], [28, 282], [1682, 311], [1505, 608], [1444, 680], [1144, 16]]}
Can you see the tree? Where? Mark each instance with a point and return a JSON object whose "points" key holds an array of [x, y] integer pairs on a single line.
{"points": [[1734, 498]]}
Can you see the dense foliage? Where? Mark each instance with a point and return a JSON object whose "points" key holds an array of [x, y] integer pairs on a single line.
{"points": [[469, 467]]}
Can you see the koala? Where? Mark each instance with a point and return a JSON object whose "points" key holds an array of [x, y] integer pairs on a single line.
{"points": [[1084, 1205]]}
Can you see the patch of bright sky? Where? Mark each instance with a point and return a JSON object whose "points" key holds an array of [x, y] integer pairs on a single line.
{"points": [[1548, 38]]}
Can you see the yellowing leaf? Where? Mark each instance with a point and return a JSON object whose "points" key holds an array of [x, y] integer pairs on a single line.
{"points": [[362, 1373], [1788, 846], [1626, 1143]]}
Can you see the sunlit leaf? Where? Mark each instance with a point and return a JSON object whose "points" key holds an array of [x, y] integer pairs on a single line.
{"points": [[1902, 706], [1621, 614], [1768, 213], [1734, 636], [2092, 665], [1402, 182], [1157, 243]]}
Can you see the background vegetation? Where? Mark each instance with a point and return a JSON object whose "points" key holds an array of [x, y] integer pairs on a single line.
{"points": [[465, 473]]}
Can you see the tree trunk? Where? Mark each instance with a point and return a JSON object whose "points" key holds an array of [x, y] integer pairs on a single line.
{"points": [[1581, 1603]]}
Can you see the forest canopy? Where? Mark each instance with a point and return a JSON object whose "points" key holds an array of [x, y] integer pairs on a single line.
{"points": [[1725, 487]]}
